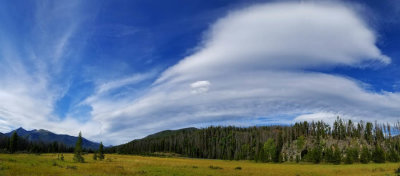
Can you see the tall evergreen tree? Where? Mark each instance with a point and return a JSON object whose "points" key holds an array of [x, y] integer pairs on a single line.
{"points": [[78, 150], [279, 144], [351, 155], [95, 156], [328, 155], [368, 132], [315, 155], [300, 143], [365, 155], [13, 142], [101, 151], [337, 155], [393, 155], [378, 155]]}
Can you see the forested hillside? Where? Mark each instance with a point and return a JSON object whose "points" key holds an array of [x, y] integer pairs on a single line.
{"points": [[41, 141], [15, 143], [50, 137], [344, 141]]}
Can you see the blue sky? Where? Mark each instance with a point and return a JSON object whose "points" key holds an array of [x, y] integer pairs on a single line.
{"points": [[120, 70]]}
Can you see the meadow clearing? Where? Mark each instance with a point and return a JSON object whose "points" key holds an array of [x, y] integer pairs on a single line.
{"points": [[113, 165]]}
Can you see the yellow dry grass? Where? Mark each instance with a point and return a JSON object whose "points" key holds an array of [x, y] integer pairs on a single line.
{"points": [[113, 165]]}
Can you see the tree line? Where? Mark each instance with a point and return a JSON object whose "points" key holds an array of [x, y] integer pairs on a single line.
{"points": [[343, 142], [19, 144], [16, 143]]}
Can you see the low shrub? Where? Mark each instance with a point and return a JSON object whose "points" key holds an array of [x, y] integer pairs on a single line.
{"points": [[72, 167], [215, 167]]}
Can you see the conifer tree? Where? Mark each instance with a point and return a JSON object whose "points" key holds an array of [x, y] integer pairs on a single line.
{"points": [[368, 132], [262, 156], [378, 155], [101, 151], [78, 150], [365, 155], [351, 155], [328, 155], [13, 142], [337, 155], [315, 155], [95, 156], [393, 156], [278, 148], [300, 142]]}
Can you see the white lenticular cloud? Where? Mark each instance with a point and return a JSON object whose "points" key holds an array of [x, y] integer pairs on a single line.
{"points": [[257, 60], [283, 36], [198, 84], [200, 87]]}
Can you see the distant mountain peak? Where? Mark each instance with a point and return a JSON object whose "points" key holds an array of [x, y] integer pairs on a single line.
{"points": [[20, 129], [48, 136], [44, 131]]}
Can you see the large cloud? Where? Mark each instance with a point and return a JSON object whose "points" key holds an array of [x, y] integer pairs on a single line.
{"points": [[254, 63], [283, 36]]}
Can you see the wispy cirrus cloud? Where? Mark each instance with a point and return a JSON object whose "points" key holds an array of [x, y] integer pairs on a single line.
{"points": [[105, 87], [35, 64]]}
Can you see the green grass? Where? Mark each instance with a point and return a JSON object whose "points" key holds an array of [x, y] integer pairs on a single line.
{"points": [[48, 165]]}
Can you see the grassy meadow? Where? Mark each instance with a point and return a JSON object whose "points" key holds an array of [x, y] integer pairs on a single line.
{"points": [[48, 165]]}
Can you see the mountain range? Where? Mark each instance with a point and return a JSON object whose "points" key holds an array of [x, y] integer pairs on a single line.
{"points": [[48, 137]]}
